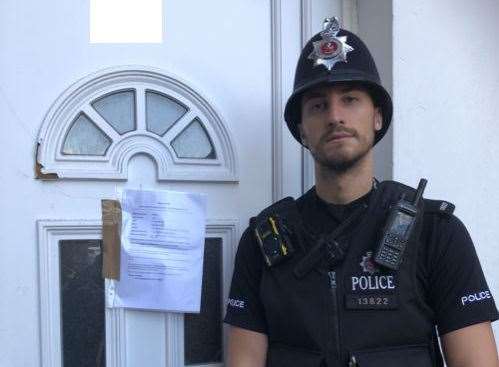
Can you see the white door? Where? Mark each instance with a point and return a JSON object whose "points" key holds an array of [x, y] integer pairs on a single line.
{"points": [[198, 112]]}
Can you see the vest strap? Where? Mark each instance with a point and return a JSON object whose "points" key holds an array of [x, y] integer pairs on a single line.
{"points": [[323, 242]]}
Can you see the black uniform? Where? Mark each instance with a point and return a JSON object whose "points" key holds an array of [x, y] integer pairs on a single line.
{"points": [[322, 315]]}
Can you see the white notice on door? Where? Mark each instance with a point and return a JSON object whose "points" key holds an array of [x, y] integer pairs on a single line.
{"points": [[162, 246]]}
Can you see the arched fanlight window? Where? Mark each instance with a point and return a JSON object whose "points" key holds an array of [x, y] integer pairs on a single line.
{"points": [[98, 124]]}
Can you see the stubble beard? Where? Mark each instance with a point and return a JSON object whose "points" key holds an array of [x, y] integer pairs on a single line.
{"points": [[341, 163]]}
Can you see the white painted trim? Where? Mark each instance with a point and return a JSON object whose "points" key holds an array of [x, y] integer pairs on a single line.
{"points": [[115, 163], [308, 178], [174, 339], [50, 232], [306, 21], [115, 336], [276, 91]]}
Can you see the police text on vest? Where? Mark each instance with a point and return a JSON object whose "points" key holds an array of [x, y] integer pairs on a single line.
{"points": [[480, 296], [366, 282]]}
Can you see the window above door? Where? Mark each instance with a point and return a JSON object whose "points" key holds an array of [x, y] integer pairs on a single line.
{"points": [[99, 123]]}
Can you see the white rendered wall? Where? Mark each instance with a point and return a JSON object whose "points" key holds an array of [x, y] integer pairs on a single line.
{"points": [[446, 89]]}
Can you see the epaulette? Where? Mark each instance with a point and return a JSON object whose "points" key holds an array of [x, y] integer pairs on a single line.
{"points": [[439, 206]]}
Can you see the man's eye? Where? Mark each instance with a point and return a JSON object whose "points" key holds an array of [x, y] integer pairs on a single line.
{"points": [[318, 106], [350, 99]]}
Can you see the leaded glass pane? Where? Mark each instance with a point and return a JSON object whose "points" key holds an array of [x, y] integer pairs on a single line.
{"points": [[118, 109], [84, 137], [162, 112], [203, 331], [194, 142], [82, 303]]}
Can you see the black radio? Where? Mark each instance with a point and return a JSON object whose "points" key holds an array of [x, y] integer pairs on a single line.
{"points": [[398, 228]]}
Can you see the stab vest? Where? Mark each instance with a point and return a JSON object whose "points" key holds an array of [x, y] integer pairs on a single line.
{"points": [[355, 312]]}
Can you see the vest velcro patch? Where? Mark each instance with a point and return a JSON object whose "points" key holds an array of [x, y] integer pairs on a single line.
{"points": [[371, 301]]}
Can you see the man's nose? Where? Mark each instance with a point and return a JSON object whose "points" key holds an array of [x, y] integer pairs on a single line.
{"points": [[335, 111]]}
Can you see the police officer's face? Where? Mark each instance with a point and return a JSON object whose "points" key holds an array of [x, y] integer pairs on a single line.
{"points": [[338, 124]]}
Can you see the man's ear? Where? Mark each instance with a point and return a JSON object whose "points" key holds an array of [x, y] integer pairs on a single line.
{"points": [[378, 119], [302, 136]]}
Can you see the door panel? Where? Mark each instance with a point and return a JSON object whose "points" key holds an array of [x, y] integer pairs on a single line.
{"points": [[82, 303]]}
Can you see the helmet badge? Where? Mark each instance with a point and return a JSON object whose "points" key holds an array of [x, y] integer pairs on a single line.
{"points": [[330, 49]]}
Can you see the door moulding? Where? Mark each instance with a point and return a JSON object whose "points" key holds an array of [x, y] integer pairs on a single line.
{"points": [[276, 102], [50, 232], [113, 164]]}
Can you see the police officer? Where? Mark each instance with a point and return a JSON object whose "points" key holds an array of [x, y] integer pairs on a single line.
{"points": [[355, 272]]}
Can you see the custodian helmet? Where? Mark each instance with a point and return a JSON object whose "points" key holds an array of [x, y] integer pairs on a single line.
{"points": [[331, 56]]}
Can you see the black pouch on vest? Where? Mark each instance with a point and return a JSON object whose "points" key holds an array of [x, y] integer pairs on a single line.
{"points": [[274, 240], [285, 356], [275, 228], [404, 355]]}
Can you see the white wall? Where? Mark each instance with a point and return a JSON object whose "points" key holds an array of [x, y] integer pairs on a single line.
{"points": [[446, 88]]}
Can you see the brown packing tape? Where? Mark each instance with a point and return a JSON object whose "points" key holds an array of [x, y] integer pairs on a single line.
{"points": [[111, 231]]}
